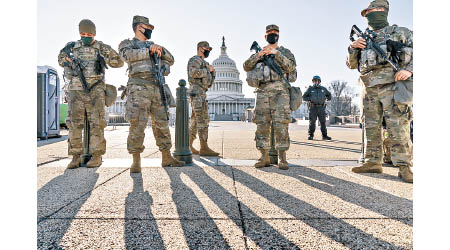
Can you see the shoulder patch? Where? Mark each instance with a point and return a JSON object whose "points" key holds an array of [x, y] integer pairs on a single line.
{"points": [[287, 53]]}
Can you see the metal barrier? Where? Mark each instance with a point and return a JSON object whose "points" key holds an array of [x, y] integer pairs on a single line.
{"points": [[182, 150]]}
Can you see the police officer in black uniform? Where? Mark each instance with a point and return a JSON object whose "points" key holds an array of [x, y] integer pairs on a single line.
{"points": [[316, 96]]}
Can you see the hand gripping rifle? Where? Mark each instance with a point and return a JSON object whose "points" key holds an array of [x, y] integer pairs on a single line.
{"points": [[269, 61], [370, 36], [159, 77], [78, 65]]}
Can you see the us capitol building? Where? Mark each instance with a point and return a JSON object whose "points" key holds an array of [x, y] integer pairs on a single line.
{"points": [[226, 101]]}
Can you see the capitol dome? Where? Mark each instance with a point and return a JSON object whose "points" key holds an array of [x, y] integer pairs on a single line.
{"points": [[225, 98]]}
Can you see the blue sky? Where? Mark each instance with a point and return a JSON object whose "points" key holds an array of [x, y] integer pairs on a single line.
{"points": [[315, 31]]}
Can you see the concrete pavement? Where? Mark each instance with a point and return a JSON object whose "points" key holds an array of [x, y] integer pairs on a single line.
{"points": [[223, 203]]}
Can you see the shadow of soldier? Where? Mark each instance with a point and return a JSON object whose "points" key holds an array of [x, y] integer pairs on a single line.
{"points": [[393, 207], [202, 231], [59, 201], [141, 229], [335, 228]]}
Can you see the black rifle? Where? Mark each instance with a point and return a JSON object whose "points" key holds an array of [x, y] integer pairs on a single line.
{"points": [[159, 77], [269, 61], [78, 65], [370, 36]]}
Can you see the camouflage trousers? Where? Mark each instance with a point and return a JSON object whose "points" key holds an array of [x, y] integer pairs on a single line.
{"points": [[200, 117], [144, 101], [80, 104], [272, 107], [386, 150], [376, 101]]}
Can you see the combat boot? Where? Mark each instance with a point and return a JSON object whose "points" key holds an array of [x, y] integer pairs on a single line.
{"points": [[310, 137], [136, 165], [193, 150], [263, 161], [368, 167], [283, 164], [95, 161], [326, 137], [406, 174], [75, 163], [205, 150], [169, 161]]}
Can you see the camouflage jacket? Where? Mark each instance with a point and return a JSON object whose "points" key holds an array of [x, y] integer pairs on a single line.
{"points": [[373, 69], [199, 74], [88, 55], [136, 54], [284, 59]]}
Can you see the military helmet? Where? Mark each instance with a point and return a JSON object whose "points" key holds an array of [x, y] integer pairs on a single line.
{"points": [[376, 4], [272, 27], [110, 95], [204, 44], [317, 77], [87, 26], [142, 19]]}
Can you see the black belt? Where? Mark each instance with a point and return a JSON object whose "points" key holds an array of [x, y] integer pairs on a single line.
{"points": [[317, 105]]}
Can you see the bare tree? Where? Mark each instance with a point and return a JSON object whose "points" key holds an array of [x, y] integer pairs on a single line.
{"points": [[341, 101]]}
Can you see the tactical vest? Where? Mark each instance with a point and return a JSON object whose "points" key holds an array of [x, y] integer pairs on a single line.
{"points": [[139, 66], [89, 55], [262, 73], [373, 68], [205, 82]]}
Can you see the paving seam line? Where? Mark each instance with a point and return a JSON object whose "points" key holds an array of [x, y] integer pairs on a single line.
{"points": [[230, 219], [101, 184], [47, 162], [241, 216]]}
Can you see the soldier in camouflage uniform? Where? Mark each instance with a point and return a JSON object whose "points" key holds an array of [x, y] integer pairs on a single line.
{"points": [[143, 95], [384, 91], [201, 76], [272, 100], [89, 51]]}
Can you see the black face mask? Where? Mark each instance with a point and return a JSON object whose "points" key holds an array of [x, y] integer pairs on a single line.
{"points": [[206, 53], [147, 33], [272, 38]]}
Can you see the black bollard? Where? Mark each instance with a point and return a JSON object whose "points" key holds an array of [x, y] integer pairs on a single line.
{"points": [[273, 154], [182, 150], [86, 156]]}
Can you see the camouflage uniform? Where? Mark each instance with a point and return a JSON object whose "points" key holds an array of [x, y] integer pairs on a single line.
{"points": [[379, 89], [78, 99], [200, 79], [143, 95], [272, 99]]}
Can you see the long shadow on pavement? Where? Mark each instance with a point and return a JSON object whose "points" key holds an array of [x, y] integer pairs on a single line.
{"points": [[333, 227], [140, 233], [61, 191], [326, 146], [194, 218], [229, 205], [363, 196]]}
